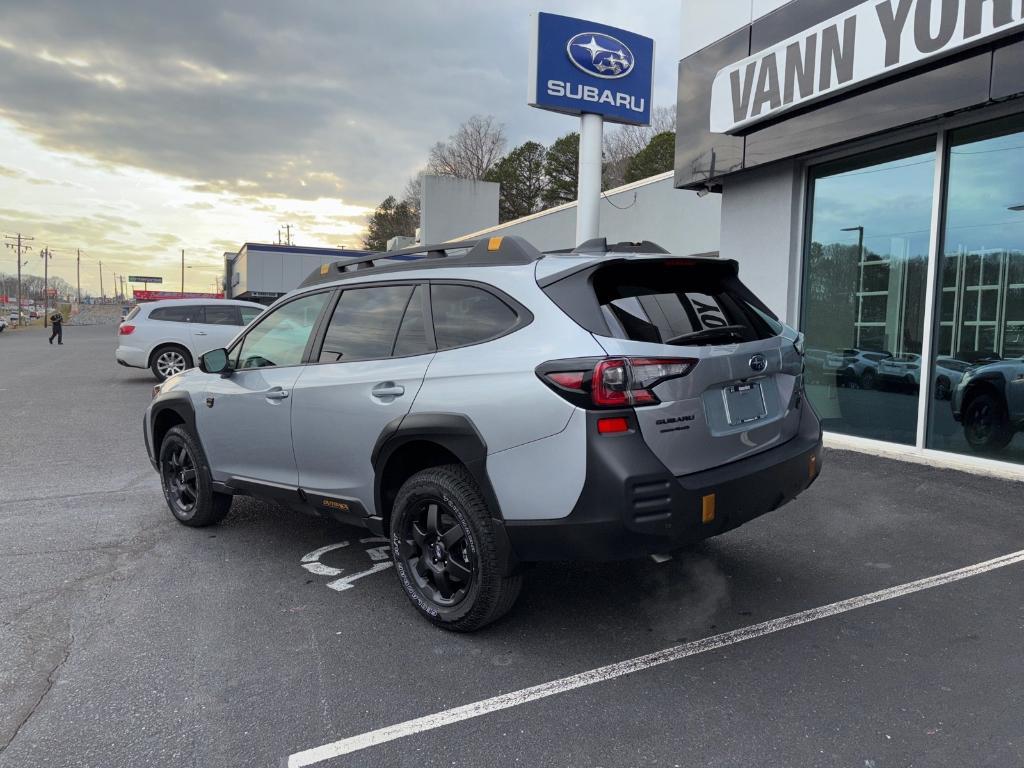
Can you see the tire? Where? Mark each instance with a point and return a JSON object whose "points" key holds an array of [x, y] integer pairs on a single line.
{"points": [[868, 379], [186, 482], [943, 388], [440, 514], [169, 360], [986, 424]]}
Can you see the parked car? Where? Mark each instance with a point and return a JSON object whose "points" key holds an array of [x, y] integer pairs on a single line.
{"points": [[989, 403], [855, 367], [490, 406], [902, 370], [3, 324], [168, 336], [948, 372]]}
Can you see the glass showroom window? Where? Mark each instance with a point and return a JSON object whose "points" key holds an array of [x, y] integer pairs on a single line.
{"points": [[865, 270], [979, 368]]}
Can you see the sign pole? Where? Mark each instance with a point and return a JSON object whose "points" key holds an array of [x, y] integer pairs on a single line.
{"points": [[588, 190]]}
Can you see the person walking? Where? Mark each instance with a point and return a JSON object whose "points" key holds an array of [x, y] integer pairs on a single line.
{"points": [[57, 322]]}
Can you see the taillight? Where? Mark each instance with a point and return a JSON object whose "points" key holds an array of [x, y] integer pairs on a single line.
{"points": [[616, 382], [126, 330]]}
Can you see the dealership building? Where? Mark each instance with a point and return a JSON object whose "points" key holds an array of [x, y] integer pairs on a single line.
{"points": [[870, 162]]}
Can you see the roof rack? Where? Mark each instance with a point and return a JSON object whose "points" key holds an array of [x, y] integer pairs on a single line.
{"points": [[491, 251], [600, 245]]}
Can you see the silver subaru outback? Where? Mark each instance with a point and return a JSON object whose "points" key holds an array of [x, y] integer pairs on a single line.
{"points": [[484, 405]]}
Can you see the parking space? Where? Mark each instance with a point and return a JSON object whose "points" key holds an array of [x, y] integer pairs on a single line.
{"points": [[128, 639]]}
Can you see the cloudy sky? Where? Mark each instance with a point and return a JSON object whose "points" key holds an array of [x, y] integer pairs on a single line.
{"points": [[135, 129]]}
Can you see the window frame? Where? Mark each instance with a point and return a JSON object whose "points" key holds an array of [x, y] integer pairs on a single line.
{"points": [[524, 316], [939, 129], [235, 309], [317, 349], [269, 312]]}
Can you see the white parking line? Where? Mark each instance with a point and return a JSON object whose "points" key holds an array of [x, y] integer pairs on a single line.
{"points": [[610, 672]]}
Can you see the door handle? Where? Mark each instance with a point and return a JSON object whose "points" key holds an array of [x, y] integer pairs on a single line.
{"points": [[388, 389], [200, 333], [276, 394]]}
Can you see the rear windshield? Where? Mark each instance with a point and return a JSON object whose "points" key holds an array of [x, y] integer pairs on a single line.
{"points": [[677, 302]]}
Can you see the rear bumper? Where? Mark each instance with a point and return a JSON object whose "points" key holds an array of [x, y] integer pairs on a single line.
{"points": [[131, 357], [632, 506]]}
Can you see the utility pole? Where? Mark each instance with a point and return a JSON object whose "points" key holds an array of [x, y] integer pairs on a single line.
{"points": [[102, 295], [46, 255], [17, 243], [78, 273], [183, 273]]}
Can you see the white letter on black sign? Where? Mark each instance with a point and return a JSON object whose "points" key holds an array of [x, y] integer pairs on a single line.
{"points": [[1002, 13], [892, 27], [741, 97], [949, 12], [840, 55]]}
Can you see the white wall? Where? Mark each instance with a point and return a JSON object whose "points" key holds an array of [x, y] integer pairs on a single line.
{"points": [[275, 272], [651, 209], [448, 207], [761, 221]]}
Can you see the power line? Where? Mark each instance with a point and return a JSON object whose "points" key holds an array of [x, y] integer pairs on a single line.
{"points": [[17, 244]]}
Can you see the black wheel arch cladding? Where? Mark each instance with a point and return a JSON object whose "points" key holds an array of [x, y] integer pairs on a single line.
{"points": [[453, 432]]}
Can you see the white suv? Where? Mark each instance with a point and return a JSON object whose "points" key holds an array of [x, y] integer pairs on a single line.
{"points": [[169, 336]]}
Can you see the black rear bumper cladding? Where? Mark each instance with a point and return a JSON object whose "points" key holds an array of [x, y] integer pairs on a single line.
{"points": [[632, 506]]}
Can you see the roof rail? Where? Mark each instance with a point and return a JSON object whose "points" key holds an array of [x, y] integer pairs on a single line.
{"points": [[491, 251], [600, 245]]}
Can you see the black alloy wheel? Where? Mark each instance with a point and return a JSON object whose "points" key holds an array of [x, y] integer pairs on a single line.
{"points": [[986, 426], [181, 481], [943, 388], [437, 552], [186, 481], [868, 379], [448, 550]]}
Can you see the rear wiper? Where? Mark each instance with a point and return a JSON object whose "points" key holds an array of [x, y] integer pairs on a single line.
{"points": [[724, 331]]}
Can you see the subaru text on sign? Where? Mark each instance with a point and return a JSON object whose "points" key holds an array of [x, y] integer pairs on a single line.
{"points": [[579, 66]]}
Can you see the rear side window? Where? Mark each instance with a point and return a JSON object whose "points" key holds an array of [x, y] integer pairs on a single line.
{"points": [[464, 314], [175, 314], [682, 302], [365, 324], [132, 313], [249, 314], [222, 315]]}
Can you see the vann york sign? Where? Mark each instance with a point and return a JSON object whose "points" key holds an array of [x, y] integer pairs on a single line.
{"points": [[870, 41]]}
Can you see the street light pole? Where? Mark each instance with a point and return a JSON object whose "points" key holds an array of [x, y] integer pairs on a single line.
{"points": [[183, 273], [78, 273], [102, 295]]}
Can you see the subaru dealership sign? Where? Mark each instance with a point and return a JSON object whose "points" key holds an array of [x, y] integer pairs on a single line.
{"points": [[580, 67]]}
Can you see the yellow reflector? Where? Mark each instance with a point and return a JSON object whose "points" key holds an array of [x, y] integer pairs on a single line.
{"points": [[812, 467], [325, 268], [707, 511], [494, 243]]}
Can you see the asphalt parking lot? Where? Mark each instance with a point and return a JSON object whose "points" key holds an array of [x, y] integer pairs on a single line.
{"points": [[127, 639]]}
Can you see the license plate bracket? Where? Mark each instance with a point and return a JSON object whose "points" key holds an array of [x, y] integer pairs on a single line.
{"points": [[744, 403]]}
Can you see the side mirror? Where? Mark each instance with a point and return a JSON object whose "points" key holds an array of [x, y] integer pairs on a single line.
{"points": [[215, 361]]}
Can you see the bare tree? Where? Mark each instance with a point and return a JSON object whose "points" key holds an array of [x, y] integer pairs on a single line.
{"points": [[471, 151], [625, 142], [412, 193]]}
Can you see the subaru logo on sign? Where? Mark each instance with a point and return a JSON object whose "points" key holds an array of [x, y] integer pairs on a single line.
{"points": [[758, 363], [600, 55]]}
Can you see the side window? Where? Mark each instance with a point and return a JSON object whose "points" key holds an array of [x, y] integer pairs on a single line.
{"points": [[412, 335], [222, 315], [365, 324], [249, 314], [174, 314], [280, 338], [466, 315]]}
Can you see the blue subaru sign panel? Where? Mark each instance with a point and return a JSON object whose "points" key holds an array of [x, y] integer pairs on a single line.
{"points": [[579, 66]]}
